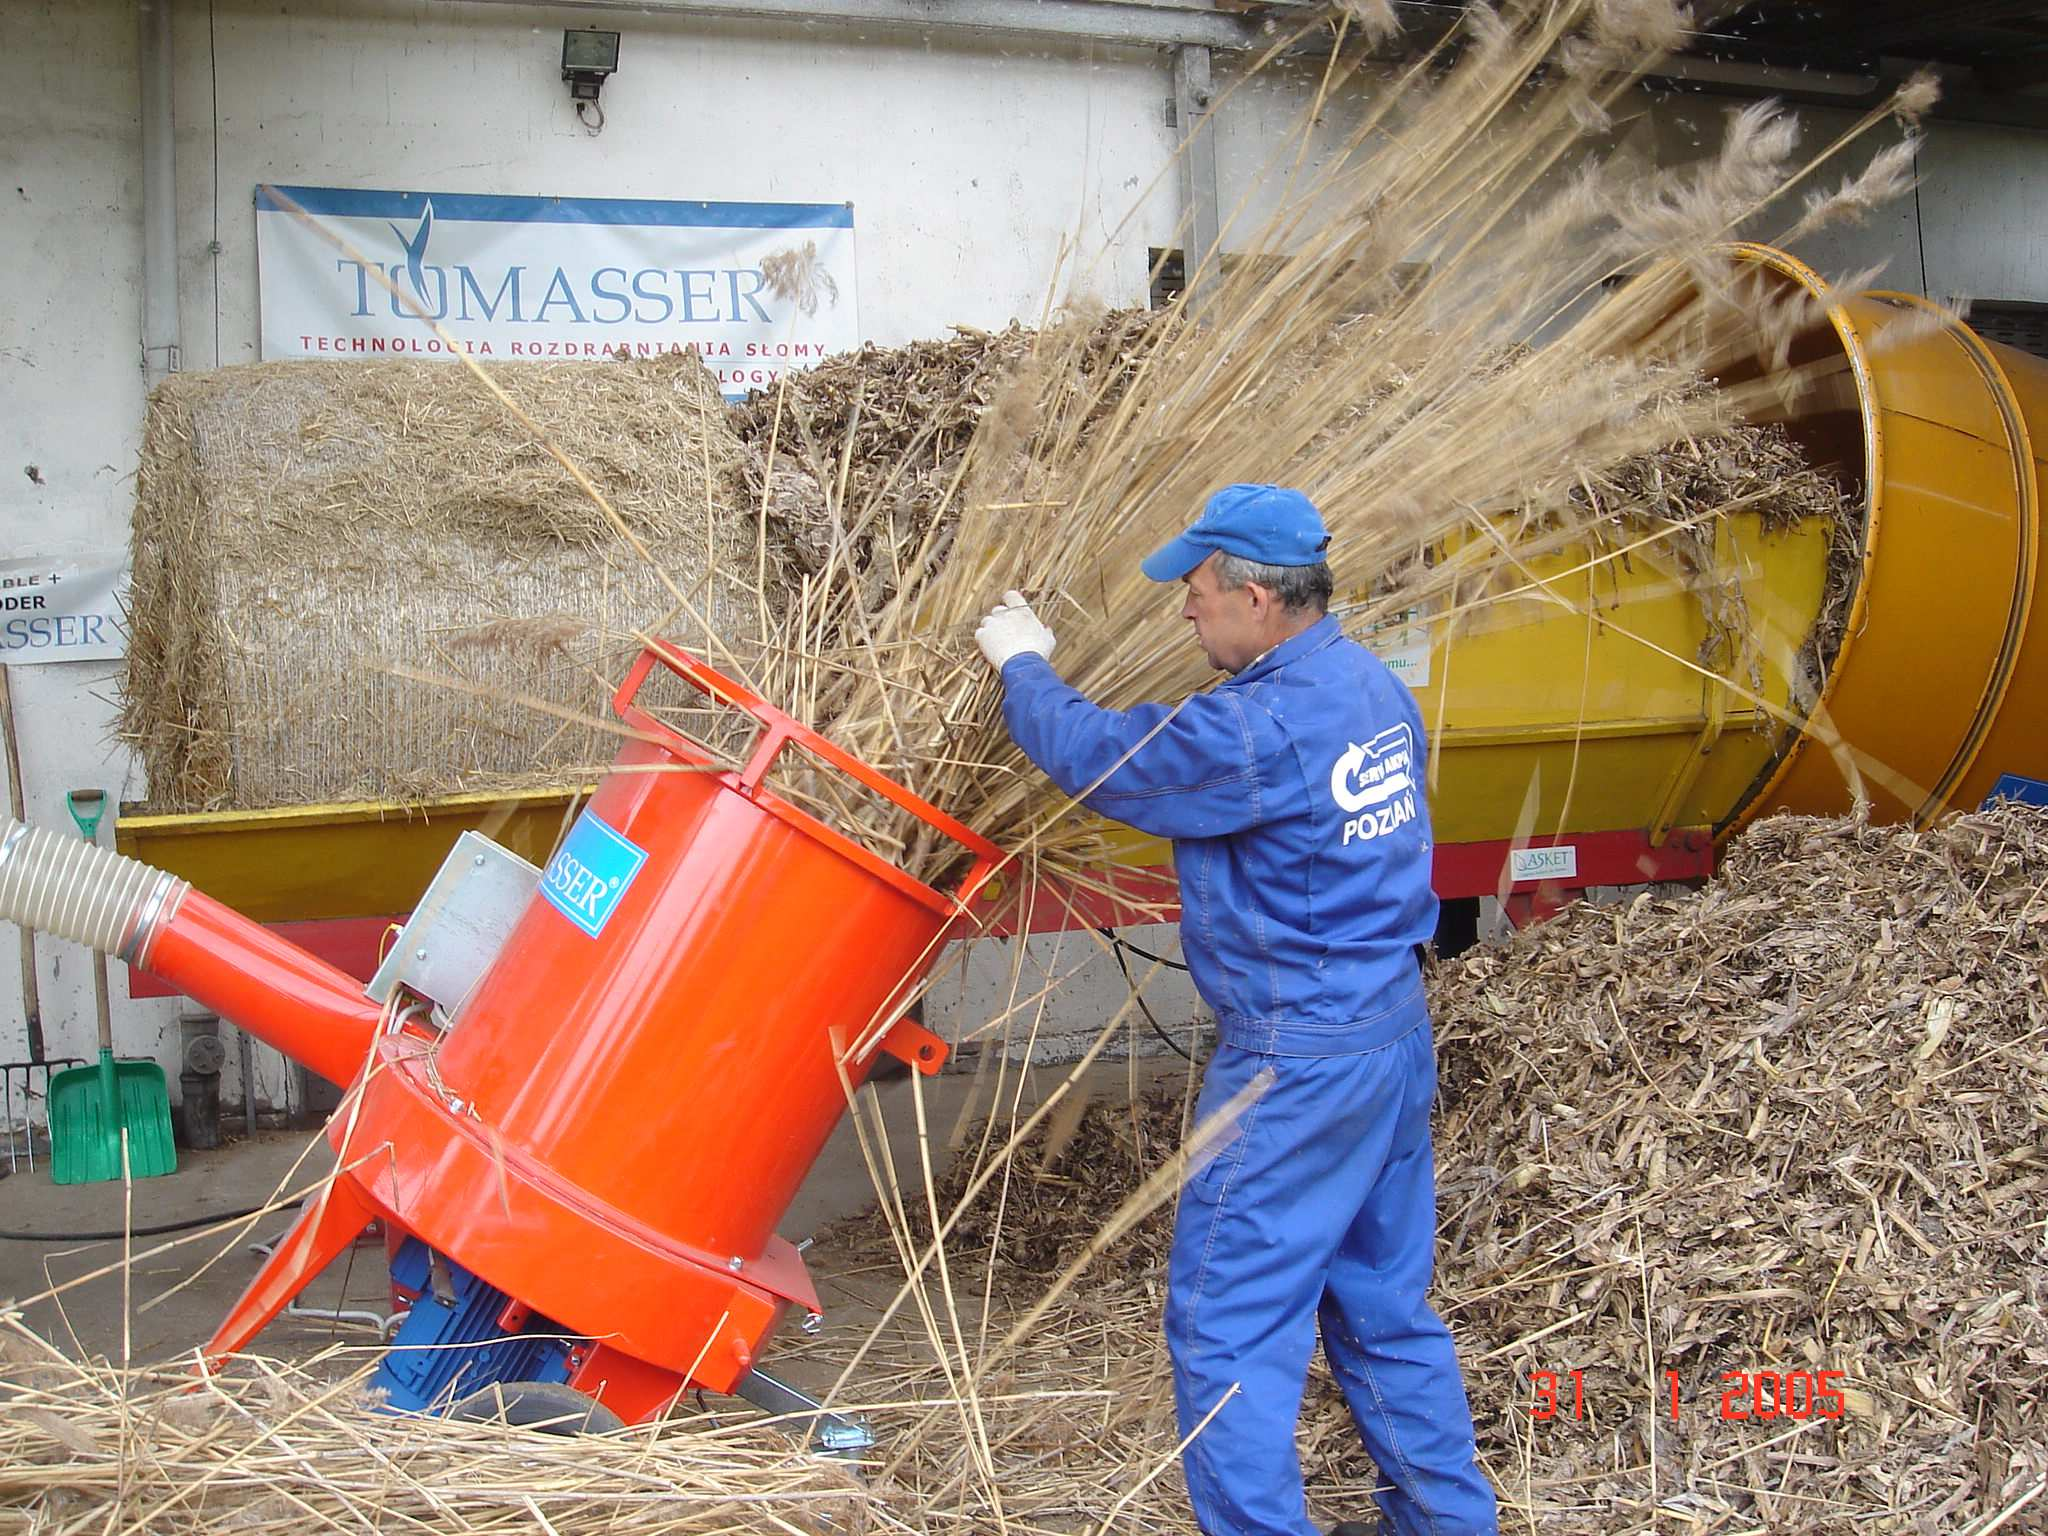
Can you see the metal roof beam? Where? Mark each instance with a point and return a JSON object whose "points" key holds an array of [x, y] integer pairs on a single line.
{"points": [[1191, 23], [1896, 24], [1113, 21]]}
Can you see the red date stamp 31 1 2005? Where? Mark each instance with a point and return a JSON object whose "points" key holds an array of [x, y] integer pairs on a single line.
{"points": [[1745, 1395]]}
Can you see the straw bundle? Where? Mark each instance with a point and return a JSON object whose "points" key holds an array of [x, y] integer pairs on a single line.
{"points": [[1425, 337], [301, 526]]}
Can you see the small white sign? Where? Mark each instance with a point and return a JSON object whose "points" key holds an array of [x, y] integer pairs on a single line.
{"points": [[1558, 863], [1402, 642], [62, 608]]}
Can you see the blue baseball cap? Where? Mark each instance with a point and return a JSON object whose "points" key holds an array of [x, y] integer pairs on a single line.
{"points": [[1267, 523]]}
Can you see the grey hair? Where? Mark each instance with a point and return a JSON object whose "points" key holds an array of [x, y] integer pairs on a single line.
{"points": [[1296, 586]]}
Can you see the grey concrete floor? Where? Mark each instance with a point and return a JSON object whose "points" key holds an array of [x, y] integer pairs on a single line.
{"points": [[176, 1288]]}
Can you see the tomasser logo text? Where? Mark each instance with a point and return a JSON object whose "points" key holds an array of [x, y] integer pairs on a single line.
{"points": [[608, 296], [492, 277]]}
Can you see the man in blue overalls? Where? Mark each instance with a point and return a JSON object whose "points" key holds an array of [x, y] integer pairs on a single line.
{"points": [[1293, 793]]}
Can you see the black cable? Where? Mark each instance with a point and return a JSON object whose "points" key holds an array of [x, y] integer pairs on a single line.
{"points": [[1117, 947], [347, 1274], [162, 1229], [1919, 224], [1144, 954]]}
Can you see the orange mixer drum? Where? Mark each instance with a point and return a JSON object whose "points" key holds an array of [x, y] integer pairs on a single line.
{"points": [[610, 1123], [666, 1027]]}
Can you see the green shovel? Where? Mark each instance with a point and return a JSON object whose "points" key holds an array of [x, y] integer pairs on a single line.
{"points": [[91, 1106]]}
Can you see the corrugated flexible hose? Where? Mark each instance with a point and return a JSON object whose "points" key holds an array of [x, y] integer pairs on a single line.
{"points": [[56, 883]]}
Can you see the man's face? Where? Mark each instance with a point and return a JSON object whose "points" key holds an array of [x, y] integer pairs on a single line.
{"points": [[1230, 624]]}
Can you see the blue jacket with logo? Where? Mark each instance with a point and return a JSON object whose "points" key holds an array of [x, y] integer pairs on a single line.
{"points": [[1293, 793]]}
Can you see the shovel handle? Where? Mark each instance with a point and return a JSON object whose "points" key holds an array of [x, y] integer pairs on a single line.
{"points": [[99, 1000], [87, 807]]}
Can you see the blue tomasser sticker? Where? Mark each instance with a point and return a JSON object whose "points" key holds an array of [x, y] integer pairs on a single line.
{"points": [[590, 873]]}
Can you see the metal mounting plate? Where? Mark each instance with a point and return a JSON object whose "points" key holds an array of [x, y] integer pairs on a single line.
{"points": [[460, 924]]}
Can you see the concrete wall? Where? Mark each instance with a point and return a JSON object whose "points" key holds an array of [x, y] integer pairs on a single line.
{"points": [[1976, 226], [989, 997], [969, 164], [959, 210], [1983, 204], [70, 419]]}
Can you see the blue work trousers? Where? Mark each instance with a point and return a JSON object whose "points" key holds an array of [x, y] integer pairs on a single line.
{"points": [[1322, 1208]]}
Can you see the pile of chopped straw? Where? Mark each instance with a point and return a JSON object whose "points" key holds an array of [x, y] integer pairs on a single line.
{"points": [[301, 528], [1758, 468], [1794, 1123], [895, 422]]}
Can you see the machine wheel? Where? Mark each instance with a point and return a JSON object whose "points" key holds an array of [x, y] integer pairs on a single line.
{"points": [[545, 1405]]}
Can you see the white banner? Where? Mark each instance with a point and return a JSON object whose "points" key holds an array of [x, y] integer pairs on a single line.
{"points": [[755, 288], [62, 608]]}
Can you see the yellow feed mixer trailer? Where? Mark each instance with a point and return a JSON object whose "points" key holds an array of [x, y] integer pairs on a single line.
{"points": [[1598, 717], [1580, 738]]}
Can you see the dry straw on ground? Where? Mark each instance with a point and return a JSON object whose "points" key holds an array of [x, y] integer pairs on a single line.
{"points": [[300, 527], [287, 1449]]}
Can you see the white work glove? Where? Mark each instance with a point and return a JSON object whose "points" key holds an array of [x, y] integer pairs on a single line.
{"points": [[1011, 630]]}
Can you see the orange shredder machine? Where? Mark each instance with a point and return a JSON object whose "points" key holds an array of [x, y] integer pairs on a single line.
{"points": [[582, 1095]]}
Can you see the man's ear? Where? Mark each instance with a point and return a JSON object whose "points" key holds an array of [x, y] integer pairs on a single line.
{"points": [[1262, 598]]}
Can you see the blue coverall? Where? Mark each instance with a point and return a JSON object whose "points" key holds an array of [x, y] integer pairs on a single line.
{"points": [[1293, 793]]}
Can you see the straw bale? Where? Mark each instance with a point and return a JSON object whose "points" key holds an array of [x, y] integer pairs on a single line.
{"points": [[300, 525]]}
